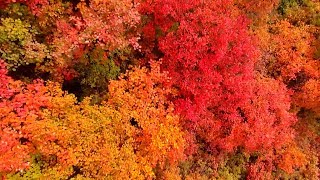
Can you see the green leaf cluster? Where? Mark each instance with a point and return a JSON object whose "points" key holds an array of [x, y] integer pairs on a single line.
{"points": [[98, 69], [306, 11], [18, 45], [234, 167]]}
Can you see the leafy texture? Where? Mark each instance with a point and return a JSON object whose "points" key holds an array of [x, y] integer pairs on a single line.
{"points": [[159, 89], [128, 136], [20, 106], [18, 45]]}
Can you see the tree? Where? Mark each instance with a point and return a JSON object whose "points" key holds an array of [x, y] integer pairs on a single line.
{"points": [[289, 54], [224, 102], [106, 25], [257, 10], [20, 106], [132, 135]]}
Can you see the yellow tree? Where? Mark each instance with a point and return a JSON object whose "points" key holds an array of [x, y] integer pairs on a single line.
{"points": [[133, 135]]}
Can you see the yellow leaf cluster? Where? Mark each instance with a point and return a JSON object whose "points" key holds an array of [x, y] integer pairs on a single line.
{"points": [[128, 136]]}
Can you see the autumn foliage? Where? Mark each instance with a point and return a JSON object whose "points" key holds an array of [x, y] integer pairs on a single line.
{"points": [[159, 89], [20, 107]]}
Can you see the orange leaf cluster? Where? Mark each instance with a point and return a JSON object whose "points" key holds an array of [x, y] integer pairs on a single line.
{"points": [[128, 136]]}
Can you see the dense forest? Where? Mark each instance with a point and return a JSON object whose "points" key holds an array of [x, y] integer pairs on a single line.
{"points": [[160, 89]]}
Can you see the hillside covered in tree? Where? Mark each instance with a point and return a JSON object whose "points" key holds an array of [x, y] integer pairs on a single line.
{"points": [[160, 89]]}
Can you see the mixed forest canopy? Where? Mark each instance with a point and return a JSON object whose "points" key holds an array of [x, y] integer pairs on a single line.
{"points": [[159, 89]]}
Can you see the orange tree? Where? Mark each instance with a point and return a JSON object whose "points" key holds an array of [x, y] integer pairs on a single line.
{"points": [[289, 46], [132, 135]]}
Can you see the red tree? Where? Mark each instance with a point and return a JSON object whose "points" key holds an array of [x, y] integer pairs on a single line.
{"points": [[211, 56], [20, 106]]}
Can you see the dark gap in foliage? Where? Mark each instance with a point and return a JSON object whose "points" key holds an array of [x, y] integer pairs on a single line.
{"points": [[166, 106], [23, 141], [204, 146], [253, 158], [302, 112], [242, 115], [76, 171], [294, 48], [24, 71], [73, 86], [44, 76], [134, 123], [41, 38], [156, 51], [297, 83], [75, 2], [28, 73], [124, 66], [274, 74]]}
